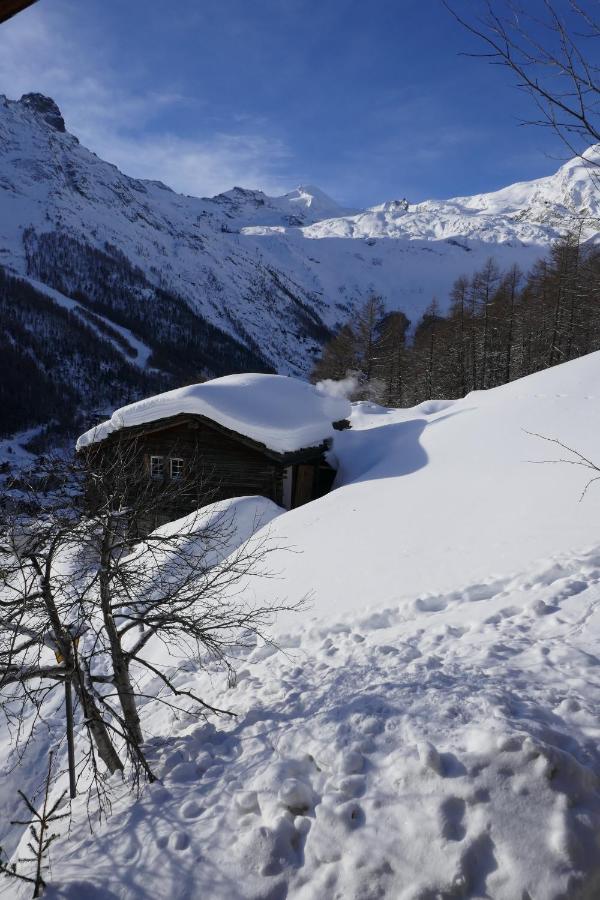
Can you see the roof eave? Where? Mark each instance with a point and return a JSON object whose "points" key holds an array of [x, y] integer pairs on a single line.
{"points": [[285, 458]]}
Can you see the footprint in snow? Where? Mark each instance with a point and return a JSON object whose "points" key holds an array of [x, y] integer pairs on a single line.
{"points": [[352, 762], [570, 589], [452, 812], [431, 604], [179, 841], [247, 801], [191, 810], [478, 592], [353, 786], [352, 814], [541, 608], [184, 772], [297, 796], [508, 612]]}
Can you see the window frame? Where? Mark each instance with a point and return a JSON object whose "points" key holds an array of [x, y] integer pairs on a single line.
{"points": [[156, 475], [179, 475]]}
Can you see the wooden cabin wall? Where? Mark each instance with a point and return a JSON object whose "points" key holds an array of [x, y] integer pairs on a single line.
{"points": [[221, 467], [217, 466]]}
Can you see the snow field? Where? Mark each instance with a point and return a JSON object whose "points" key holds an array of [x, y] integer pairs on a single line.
{"points": [[448, 493], [429, 730], [408, 755]]}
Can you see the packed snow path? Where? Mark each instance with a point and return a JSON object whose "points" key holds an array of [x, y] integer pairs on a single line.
{"points": [[445, 749]]}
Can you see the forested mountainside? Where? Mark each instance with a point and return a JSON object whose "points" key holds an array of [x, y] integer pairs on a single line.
{"points": [[238, 282], [500, 327], [71, 353], [55, 361]]}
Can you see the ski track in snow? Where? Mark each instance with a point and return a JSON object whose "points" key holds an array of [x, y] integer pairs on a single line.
{"points": [[443, 750]]}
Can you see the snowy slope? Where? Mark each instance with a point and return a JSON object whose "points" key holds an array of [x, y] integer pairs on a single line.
{"points": [[421, 755], [274, 273], [448, 493], [433, 730]]}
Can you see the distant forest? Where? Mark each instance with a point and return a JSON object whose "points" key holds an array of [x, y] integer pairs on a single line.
{"points": [[500, 326], [64, 370], [53, 364]]}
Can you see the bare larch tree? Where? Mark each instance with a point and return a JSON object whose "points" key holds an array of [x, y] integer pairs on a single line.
{"points": [[86, 595]]}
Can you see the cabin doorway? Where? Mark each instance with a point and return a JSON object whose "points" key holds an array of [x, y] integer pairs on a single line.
{"points": [[303, 484]]}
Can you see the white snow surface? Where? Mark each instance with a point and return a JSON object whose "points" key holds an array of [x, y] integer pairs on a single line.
{"points": [[452, 492], [430, 731], [280, 412]]}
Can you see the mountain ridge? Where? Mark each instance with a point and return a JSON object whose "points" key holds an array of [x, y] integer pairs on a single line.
{"points": [[242, 279]]}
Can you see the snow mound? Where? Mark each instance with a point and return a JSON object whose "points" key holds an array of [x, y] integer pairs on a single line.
{"points": [[218, 529], [283, 413]]}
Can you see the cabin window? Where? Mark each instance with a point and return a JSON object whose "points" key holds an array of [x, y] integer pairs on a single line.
{"points": [[157, 467], [176, 467]]}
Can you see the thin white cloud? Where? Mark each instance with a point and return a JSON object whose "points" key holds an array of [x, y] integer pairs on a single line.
{"points": [[201, 168], [40, 52]]}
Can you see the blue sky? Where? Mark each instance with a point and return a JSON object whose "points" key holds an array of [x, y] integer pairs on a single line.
{"points": [[368, 100]]}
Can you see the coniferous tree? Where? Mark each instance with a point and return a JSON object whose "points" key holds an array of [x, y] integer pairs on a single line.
{"points": [[499, 326]]}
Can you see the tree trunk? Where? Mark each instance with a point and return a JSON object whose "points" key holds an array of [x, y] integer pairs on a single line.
{"points": [[119, 661], [98, 729]]}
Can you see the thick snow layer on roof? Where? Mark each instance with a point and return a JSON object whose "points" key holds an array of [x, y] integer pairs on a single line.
{"points": [[284, 414]]}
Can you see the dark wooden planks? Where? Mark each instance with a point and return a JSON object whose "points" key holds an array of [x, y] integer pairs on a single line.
{"points": [[9, 8]]}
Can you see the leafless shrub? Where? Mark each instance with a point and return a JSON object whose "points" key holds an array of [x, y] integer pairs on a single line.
{"points": [[87, 595]]}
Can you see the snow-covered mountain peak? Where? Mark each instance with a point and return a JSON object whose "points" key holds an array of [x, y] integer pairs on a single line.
{"points": [[46, 107], [573, 190], [253, 265], [305, 205], [525, 213], [308, 198]]}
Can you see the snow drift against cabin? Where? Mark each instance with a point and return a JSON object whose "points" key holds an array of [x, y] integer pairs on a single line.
{"points": [[284, 414]]}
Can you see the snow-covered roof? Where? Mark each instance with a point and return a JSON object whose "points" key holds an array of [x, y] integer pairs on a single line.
{"points": [[285, 414]]}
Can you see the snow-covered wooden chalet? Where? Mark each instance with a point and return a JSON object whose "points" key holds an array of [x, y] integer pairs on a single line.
{"points": [[239, 435]]}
